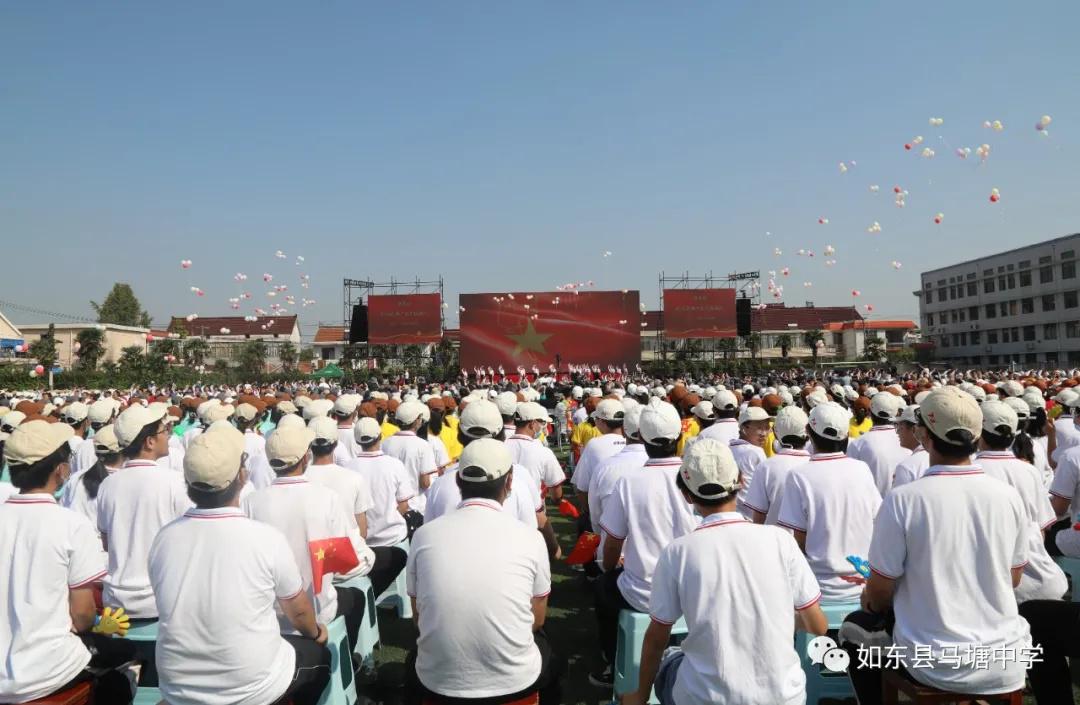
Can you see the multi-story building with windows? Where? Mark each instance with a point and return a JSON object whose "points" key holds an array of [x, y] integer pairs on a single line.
{"points": [[1021, 306]]}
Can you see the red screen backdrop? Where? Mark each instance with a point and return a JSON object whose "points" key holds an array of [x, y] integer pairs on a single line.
{"points": [[404, 319], [593, 327], [699, 313]]}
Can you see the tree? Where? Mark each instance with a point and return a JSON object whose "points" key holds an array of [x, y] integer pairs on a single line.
{"points": [[874, 349], [252, 358], [196, 351], [44, 349], [810, 339], [352, 354], [753, 343], [288, 355], [306, 354], [784, 342], [91, 348], [132, 361], [727, 347], [121, 308]]}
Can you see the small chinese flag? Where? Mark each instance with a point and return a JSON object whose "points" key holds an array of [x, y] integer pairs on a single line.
{"points": [[567, 509], [585, 549], [334, 555]]}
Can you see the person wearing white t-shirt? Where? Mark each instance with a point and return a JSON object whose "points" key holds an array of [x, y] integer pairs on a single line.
{"points": [[880, 447], [438, 448], [947, 552], [1062, 539], [1065, 428], [608, 418], [749, 448], [344, 416], [77, 415], [389, 483], [912, 467], [645, 512], [608, 473], [726, 426], [728, 578], [763, 497], [829, 504], [134, 503], [479, 582], [52, 561], [1043, 579], [84, 488], [526, 450], [218, 577], [414, 452]]}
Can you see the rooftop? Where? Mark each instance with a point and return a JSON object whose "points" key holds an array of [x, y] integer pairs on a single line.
{"points": [[331, 334], [236, 325], [1004, 252], [779, 317]]}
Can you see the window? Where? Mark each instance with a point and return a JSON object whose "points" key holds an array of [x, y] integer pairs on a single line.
{"points": [[956, 339], [1068, 254], [1050, 331], [1003, 308], [1068, 270], [1025, 278], [963, 315], [1001, 269], [973, 313], [1048, 302], [929, 320], [1051, 358], [991, 359], [1074, 357], [1006, 335], [929, 295], [991, 311], [1015, 334], [1012, 280], [991, 337], [941, 282], [971, 289], [1025, 264], [976, 337], [959, 291], [1072, 329], [1044, 259], [1009, 267], [963, 338], [952, 316], [987, 272], [1029, 359], [1046, 275], [1001, 283], [1070, 299], [1027, 305], [988, 286], [971, 275], [944, 341]]}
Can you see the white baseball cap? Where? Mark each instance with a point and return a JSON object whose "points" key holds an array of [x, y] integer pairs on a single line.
{"points": [[632, 419], [409, 411], [921, 395], [577, 392], [288, 446], [246, 412], [1011, 388], [816, 397], [703, 410], [218, 412], [1020, 406], [790, 421], [33, 441], [709, 470], [908, 415], [830, 420], [886, 406], [317, 407], [659, 421], [366, 430], [507, 403], [105, 441], [9, 423], [531, 411], [609, 410], [290, 421], [75, 412], [1066, 397], [134, 419], [484, 459], [325, 429], [753, 413], [949, 410], [346, 404], [977, 392], [997, 415], [213, 458], [725, 401], [480, 419], [101, 411]]}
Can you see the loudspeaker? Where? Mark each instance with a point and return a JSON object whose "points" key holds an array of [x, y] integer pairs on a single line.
{"points": [[358, 331], [742, 316]]}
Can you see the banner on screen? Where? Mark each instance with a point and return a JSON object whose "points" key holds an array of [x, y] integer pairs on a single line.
{"points": [[404, 319], [526, 329], [699, 313]]}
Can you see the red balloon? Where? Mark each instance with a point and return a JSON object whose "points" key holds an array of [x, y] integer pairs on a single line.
{"points": [[907, 146], [994, 198], [40, 369]]}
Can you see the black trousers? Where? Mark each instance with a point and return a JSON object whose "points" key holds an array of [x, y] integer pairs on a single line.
{"points": [[413, 521], [110, 653], [609, 601], [872, 628], [1055, 625], [312, 672], [1051, 535], [548, 684], [350, 605], [389, 561]]}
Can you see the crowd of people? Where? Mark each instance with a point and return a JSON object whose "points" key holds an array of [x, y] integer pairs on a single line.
{"points": [[238, 520]]}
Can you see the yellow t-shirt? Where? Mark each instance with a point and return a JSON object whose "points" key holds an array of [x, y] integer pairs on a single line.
{"points": [[388, 429], [857, 429], [583, 433], [690, 428], [448, 435], [770, 443]]}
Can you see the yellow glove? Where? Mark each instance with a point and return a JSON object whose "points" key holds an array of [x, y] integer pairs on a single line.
{"points": [[112, 622]]}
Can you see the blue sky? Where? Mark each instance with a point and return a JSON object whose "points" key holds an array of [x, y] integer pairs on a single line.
{"points": [[508, 145]]}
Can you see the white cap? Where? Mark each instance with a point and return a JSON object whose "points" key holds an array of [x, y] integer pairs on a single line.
{"points": [[609, 410], [531, 411], [1011, 388], [659, 421], [317, 407], [33, 441], [481, 418], [290, 421], [908, 414], [286, 407], [75, 412], [790, 421], [709, 470], [816, 397], [632, 419], [325, 429], [288, 446], [921, 395], [830, 420], [886, 406], [1019, 405], [104, 440], [1066, 397], [507, 403], [134, 419], [204, 407], [998, 414], [753, 413], [212, 460], [484, 459], [577, 392], [101, 411], [725, 401], [9, 423], [366, 430], [409, 411], [346, 404], [949, 410], [218, 412], [1034, 399], [977, 392], [246, 412], [703, 410]]}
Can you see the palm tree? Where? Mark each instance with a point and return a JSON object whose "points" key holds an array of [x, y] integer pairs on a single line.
{"points": [[91, 348], [784, 341], [810, 340], [252, 359], [288, 355], [726, 346], [753, 343], [196, 351], [874, 349]]}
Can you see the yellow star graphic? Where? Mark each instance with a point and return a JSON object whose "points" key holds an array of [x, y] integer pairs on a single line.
{"points": [[320, 554], [530, 340]]}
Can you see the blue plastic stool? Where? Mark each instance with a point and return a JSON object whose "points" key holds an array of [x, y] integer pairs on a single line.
{"points": [[142, 630], [341, 690], [821, 683], [368, 637], [147, 696], [1071, 566], [631, 635], [145, 632], [396, 594]]}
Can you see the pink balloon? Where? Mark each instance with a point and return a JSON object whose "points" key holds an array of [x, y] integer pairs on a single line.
{"points": [[40, 369]]}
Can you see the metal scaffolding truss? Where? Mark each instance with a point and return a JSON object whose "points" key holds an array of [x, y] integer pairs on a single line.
{"points": [[746, 285]]}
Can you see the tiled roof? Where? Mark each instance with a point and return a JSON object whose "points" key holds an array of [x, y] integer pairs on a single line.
{"points": [[872, 325], [330, 334], [777, 317], [237, 326]]}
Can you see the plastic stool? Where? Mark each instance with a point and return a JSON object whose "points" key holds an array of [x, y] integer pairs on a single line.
{"points": [[631, 635], [147, 696], [894, 682], [368, 636], [396, 593], [1071, 566], [341, 690], [821, 683], [78, 694], [142, 630]]}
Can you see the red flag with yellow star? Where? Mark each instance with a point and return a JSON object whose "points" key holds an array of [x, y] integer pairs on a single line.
{"points": [[334, 555], [564, 328]]}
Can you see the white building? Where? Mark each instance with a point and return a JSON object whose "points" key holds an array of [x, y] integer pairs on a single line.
{"points": [[227, 334], [114, 339], [1020, 306]]}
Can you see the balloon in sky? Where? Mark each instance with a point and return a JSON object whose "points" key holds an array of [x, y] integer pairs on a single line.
{"points": [[874, 188], [823, 220], [267, 277], [279, 254], [185, 264], [938, 218], [937, 122], [995, 195], [1043, 123]]}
